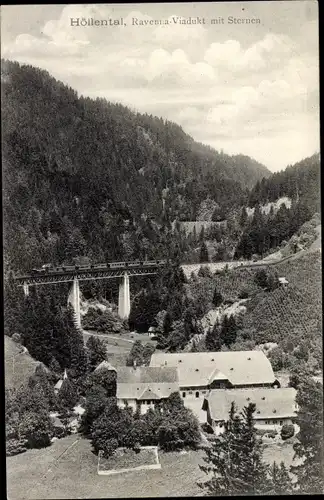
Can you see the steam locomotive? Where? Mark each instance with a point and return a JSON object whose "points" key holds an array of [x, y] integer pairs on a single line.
{"points": [[50, 268]]}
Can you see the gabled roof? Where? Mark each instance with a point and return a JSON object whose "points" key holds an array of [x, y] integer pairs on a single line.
{"points": [[59, 383], [201, 368], [146, 382], [270, 403], [149, 394], [146, 374], [105, 365]]}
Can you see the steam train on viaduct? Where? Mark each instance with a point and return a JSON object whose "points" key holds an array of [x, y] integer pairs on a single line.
{"points": [[50, 268]]}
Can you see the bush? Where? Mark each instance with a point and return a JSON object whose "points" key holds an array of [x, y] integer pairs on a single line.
{"points": [[104, 378], [277, 359], [217, 298], [173, 428], [109, 447], [287, 431], [58, 431], [229, 301], [205, 272], [206, 427], [271, 434], [137, 447], [261, 278], [15, 446], [16, 338], [243, 294], [101, 321], [37, 428], [267, 433]]}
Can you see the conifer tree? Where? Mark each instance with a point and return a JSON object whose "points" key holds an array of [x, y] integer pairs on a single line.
{"points": [[243, 217], [281, 481], [96, 351], [213, 339], [217, 298], [204, 256], [67, 396], [228, 331], [235, 459], [310, 445], [42, 379]]}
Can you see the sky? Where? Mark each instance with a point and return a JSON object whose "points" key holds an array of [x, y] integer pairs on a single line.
{"points": [[243, 88]]}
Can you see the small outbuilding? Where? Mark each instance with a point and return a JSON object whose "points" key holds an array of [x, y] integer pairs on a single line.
{"points": [[105, 365], [58, 384]]}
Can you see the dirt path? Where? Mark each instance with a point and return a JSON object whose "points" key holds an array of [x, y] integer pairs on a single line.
{"points": [[107, 336]]}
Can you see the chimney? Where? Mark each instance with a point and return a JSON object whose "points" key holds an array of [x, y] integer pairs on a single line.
{"points": [[65, 375]]}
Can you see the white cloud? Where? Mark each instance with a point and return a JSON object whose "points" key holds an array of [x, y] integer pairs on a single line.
{"points": [[262, 54], [222, 89]]}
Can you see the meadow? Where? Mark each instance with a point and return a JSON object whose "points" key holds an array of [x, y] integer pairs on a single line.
{"points": [[68, 469]]}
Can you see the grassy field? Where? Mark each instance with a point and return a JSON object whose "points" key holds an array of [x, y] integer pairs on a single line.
{"points": [[68, 469], [281, 451], [119, 345], [19, 366]]}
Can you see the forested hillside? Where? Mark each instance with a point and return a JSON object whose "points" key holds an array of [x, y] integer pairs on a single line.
{"points": [[91, 178], [299, 183]]}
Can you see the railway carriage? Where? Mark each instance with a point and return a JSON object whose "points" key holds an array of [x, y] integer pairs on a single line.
{"points": [[49, 268]]}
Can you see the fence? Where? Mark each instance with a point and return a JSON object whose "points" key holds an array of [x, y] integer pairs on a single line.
{"points": [[155, 465]]}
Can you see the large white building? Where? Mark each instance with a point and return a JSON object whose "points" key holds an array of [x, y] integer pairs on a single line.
{"points": [[201, 372], [208, 383]]}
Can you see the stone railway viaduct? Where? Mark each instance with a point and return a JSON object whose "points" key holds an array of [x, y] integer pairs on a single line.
{"points": [[121, 270]]}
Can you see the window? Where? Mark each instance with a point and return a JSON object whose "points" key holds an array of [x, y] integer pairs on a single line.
{"points": [[204, 392], [274, 421], [281, 422], [197, 394], [183, 394], [190, 392]]}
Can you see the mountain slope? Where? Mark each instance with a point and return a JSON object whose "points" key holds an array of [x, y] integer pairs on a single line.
{"points": [[85, 177], [289, 315], [298, 187], [300, 182], [19, 365]]}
